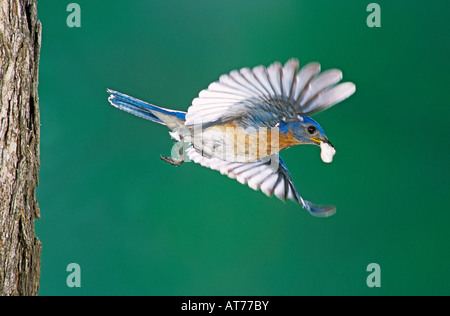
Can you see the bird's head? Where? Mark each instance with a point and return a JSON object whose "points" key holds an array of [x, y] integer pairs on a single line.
{"points": [[307, 131]]}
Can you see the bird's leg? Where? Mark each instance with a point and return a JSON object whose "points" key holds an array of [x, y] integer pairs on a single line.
{"points": [[175, 161]]}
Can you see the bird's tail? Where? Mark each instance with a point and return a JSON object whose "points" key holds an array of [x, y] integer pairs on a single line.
{"points": [[145, 110]]}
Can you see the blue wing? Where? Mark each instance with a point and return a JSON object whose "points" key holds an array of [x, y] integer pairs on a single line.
{"points": [[270, 176], [264, 96]]}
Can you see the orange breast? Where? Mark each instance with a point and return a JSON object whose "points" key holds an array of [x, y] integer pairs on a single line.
{"points": [[267, 142], [256, 144], [287, 140]]}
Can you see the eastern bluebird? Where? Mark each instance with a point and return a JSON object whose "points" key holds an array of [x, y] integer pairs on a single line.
{"points": [[239, 124]]}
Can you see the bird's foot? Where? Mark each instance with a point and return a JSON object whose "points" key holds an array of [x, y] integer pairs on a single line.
{"points": [[176, 161], [172, 161]]}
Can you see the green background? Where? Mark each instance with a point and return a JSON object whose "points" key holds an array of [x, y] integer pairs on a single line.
{"points": [[137, 225]]}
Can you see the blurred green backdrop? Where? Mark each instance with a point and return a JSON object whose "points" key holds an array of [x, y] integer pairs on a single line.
{"points": [[137, 225]]}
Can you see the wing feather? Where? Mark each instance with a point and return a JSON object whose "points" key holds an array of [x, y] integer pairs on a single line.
{"points": [[260, 73], [303, 78], [330, 97], [274, 76], [251, 78], [288, 79], [263, 96], [240, 80], [222, 87], [319, 83]]}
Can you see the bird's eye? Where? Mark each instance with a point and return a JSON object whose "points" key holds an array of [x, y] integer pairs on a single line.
{"points": [[311, 129]]}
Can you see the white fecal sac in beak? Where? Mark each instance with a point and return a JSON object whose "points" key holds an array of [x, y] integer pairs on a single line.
{"points": [[326, 152]]}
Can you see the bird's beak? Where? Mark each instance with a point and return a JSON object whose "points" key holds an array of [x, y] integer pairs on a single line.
{"points": [[329, 143], [318, 141]]}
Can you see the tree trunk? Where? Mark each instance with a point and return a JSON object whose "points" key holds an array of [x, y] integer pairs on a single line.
{"points": [[20, 250]]}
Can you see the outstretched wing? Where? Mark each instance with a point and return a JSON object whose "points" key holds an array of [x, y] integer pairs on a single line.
{"points": [[263, 96], [271, 177]]}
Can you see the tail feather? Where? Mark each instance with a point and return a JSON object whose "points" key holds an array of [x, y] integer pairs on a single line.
{"points": [[146, 110]]}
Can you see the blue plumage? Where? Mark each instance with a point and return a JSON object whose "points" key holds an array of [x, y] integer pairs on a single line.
{"points": [[140, 108], [239, 124]]}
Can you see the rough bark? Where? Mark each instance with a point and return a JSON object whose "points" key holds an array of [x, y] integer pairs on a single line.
{"points": [[20, 250]]}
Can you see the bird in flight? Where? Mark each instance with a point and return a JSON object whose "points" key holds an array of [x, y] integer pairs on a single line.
{"points": [[240, 123]]}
